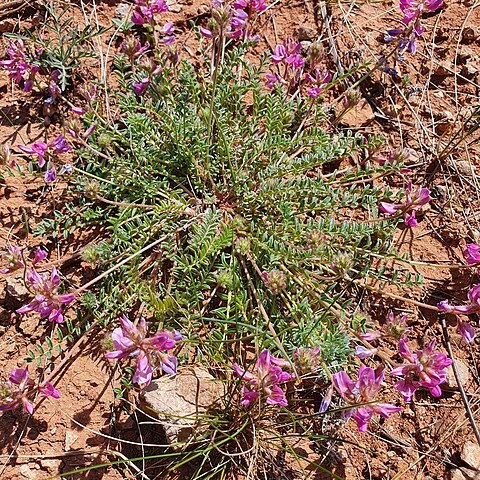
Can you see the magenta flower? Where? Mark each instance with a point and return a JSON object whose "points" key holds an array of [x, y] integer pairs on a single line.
{"points": [[47, 302], [472, 307], [19, 388], [413, 9], [273, 79], [140, 87], [465, 330], [78, 110], [14, 260], [265, 380], [40, 255], [414, 201], [37, 148], [48, 390], [319, 79], [425, 368], [58, 144], [289, 50], [18, 66], [364, 390], [168, 33], [250, 6], [472, 253], [146, 9], [130, 340]]}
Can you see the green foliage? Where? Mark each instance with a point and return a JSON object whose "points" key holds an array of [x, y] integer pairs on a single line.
{"points": [[218, 180], [63, 44], [237, 187]]}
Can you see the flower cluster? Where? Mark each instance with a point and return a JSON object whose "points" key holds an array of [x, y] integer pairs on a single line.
{"points": [[130, 340], [265, 380], [406, 36], [472, 253], [363, 391], [464, 328], [425, 368], [395, 327], [48, 302], [19, 66], [146, 9], [229, 20], [306, 360], [40, 149], [291, 65], [20, 388], [13, 259], [415, 200], [275, 281]]}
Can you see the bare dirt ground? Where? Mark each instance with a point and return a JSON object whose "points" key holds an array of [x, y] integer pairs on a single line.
{"points": [[439, 88]]}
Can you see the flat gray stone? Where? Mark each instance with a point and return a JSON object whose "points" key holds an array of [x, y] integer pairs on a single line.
{"points": [[180, 402]]}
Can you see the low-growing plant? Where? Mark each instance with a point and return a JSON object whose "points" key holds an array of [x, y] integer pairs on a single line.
{"points": [[239, 228]]}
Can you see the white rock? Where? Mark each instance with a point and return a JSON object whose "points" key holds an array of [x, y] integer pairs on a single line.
{"points": [[16, 293], [463, 373], [179, 402], [70, 438], [123, 10], [471, 455], [456, 474]]}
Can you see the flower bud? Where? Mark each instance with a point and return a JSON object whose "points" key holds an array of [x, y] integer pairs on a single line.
{"points": [[92, 189], [242, 245], [351, 98], [342, 263], [90, 254], [275, 281], [104, 140], [306, 360], [224, 278]]}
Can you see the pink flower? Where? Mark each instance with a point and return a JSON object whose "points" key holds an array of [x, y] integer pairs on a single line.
{"points": [[59, 145], [290, 50], [14, 260], [319, 79], [265, 380], [252, 6], [472, 253], [19, 67], [465, 330], [414, 8], [146, 9], [362, 352], [425, 368], [19, 388], [37, 148], [364, 390], [130, 341], [47, 302], [140, 87], [414, 201], [40, 255], [472, 307]]}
